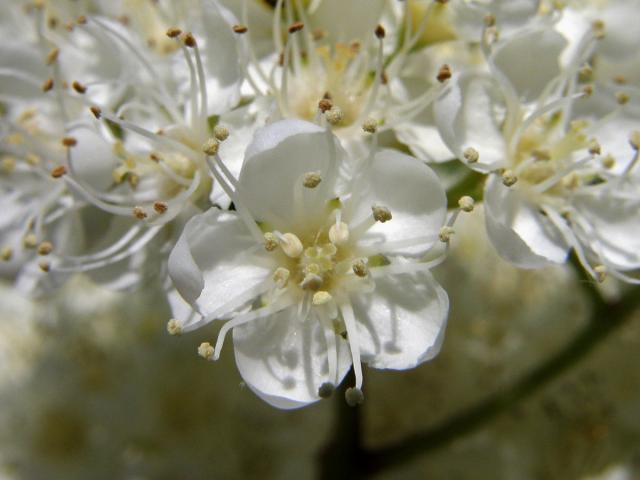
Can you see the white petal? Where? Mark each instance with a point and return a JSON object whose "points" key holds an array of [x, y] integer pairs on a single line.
{"points": [[530, 60], [616, 228], [275, 163], [469, 115], [518, 231], [283, 359], [347, 21], [93, 159], [410, 190], [401, 324], [213, 263]]}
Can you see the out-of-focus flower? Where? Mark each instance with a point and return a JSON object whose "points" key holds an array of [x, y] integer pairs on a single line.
{"points": [[313, 269]]}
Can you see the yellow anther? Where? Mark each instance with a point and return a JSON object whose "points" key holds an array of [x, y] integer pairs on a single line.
{"points": [[594, 147], [281, 277], [30, 241], [370, 125], [174, 327], [321, 297], [622, 98], [311, 179], [471, 155], [8, 164], [52, 56], [601, 272], [270, 242], [445, 233], [334, 115], [360, 268], [45, 248], [291, 245], [221, 132], [6, 253], [509, 178], [381, 214], [609, 162], [211, 147], [205, 350], [466, 203]]}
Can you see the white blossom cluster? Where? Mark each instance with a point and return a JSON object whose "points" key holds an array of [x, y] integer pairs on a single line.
{"points": [[272, 164]]}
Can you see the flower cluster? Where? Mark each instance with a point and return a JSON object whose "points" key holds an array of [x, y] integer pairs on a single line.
{"points": [[272, 165]]}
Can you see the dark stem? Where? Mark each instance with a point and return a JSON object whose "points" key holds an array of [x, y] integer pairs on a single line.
{"points": [[605, 319]]}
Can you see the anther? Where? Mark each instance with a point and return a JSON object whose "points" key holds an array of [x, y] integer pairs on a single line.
{"points": [[173, 32], [311, 179], [326, 390], [444, 73], [160, 207], [188, 39], [594, 147], [240, 29], [29, 241], [270, 242], [281, 277], [45, 266], [634, 140], [489, 20], [174, 327], [380, 32], [69, 142], [622, 98], [45, 248], [321, 297], [296, 27], [471, 155], [334, 115], [57, 172], [599, 29], [360, 268], [32, 159], [324, 105], [587, 90], [81, 20], [8, 164], [339, 233], [78, 87], [601, 272], [221, 132], [205, 350], [609, 162], [381, 214], [571, 181], [6, 253], [370, 125], [97, 112], [509, 178], [211, 146], [354, 396], [466, 204], [291, 245], [53, 56], [47, 85], [139, 213], [445, 234]]}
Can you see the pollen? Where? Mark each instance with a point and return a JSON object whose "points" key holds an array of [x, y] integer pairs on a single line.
{"points": [[321, 297], [6, 253], [211, 147], [270, 242], [466, 203], [360, 268], [45, 248], [205, 350], [139, 213], [311, 179], [334, 115], [221, 133], [445, 234], [174, 327], [58, 171], [381, 214], [509, 178], [370, 125], [471, 155]]}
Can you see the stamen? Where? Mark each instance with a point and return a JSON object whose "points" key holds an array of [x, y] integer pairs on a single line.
{"points": [[174, 327], [509, 178], [30, 241], [370, 125], [354, 396], [45, 248], [270, 242], [221, 133], [211, 147], [466, 204], [381, 214], [360, 268], [290, 244], [326, 390], [139, 213], [471, 155], [445, 233], [206, 351]]}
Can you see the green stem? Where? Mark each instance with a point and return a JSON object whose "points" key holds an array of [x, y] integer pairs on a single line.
{"points": [[606, 318]]}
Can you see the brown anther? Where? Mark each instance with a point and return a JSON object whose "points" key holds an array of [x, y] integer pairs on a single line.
{"points": [[81, 20], [58, 171], [47, 85], [189, 40], [160, 207], [173, 32], [139, 213], [444, 73], [97, 112], [380, 32], [154, 157], [6, 253], [53, 56], [45, 248], [240, 29], [620, 79], [44, 266], [69, 142], [78, 87], [381, 214], [296, 27], [318, 34], [69, 26], [587, 90], [622, 98], [360, 268], [489, 20], [325, 104], [52, 23]]}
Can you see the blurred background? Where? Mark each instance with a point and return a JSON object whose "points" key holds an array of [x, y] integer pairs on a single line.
{"points": [[93, 387]]}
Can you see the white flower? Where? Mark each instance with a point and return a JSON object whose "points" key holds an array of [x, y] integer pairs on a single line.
{"points": [[312, 269], [550, 189]]}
